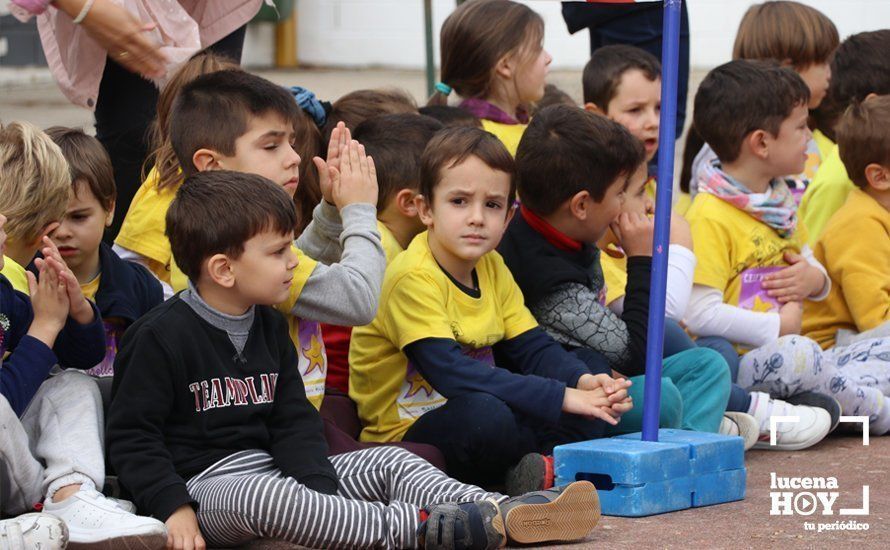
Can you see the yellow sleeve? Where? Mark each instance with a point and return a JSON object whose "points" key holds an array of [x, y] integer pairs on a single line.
{"points": [[414, 309], [143, 229], [713, 246], [825, 195], [615, 275], [305, 266], [860, 268], [517, 318]]}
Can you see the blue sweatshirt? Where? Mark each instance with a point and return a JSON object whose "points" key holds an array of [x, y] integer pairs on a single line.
{"points": [[77, 346]]}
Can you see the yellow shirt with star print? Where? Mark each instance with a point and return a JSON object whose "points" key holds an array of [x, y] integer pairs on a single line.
{"points": [[312, 360], [143, 230], [420, 301], [729, 241]]}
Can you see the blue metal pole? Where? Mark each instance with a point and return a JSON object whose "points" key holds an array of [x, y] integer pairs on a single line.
{"points": [[670, 51]]}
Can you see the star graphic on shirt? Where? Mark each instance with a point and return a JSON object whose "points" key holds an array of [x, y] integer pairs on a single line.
{"points": [[418, 383], [762, 306], [314, 355]]}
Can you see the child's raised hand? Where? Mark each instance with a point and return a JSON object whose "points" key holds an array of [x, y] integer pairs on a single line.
{"points": [[795, 283], [634, 231], [183, 532], [357, 181], [681, 233], [329, 169], [80, 309], [790, 318], [49, 301]]}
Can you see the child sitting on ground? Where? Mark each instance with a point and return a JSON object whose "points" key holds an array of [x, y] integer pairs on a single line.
{"points": [[859, 300], [799, 37], [123, 291], [51, 425], [743, 221], [210, 428], [574, 169], [449, 305], [858, 69], [395, 142], [493, 56]]}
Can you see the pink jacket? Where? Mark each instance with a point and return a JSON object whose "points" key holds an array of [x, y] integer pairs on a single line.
{"points": [[183, 27]]}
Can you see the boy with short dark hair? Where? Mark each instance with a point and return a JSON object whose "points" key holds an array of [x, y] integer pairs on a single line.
{"points": [[259, 139], [453, 344], [574, 169], [212, 432], [755, 269], [859, 300]]}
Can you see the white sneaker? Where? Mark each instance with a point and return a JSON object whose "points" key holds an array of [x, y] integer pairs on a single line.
{"points": [[28, 531], [741, 424], [92, 518], [813, 425]]}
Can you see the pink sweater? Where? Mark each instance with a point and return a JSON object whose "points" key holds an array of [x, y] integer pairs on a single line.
{"points": [[183, 27]]}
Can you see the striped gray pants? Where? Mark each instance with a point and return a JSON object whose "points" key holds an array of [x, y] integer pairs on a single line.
{"points": [[245, 497]]}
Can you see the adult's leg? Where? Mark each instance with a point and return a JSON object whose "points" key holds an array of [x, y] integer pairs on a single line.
{"points": [[21, 482], [65, 426], [479, 435]]}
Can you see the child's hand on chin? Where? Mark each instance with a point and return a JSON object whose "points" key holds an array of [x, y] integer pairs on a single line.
{"points": [[183, 532]]}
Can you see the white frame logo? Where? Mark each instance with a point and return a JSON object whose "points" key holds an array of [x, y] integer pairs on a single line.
{"points": [[807, 502]]}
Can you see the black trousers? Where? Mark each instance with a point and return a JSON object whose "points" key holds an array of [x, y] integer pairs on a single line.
{"points": [[125, 108]]}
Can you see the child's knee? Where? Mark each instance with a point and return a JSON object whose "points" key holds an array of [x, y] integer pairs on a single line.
{"points": [[488, 417]]}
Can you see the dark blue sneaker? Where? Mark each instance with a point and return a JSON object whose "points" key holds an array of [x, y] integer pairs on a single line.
{"points": [[467, 526]]}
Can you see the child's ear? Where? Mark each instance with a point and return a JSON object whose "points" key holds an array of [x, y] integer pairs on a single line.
{"points": [[579, 205], [511, 212], [878, 176], [758, 142], [424, 212], [206, 159], [593, 108], [219, 269], [406, 204], [504, 67], [109, 214]]}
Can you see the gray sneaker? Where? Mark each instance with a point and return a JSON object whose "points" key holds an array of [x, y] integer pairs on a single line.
{"points": [[30, 531], [565, 513]]}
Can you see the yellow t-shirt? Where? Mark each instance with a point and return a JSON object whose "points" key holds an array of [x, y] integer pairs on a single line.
{"points": [[855, 250], [90, 289], [16, 275], [312, 361], [823, 144], [509, 134], [615, 275], [825, 195], [143, 230], [391, 247], [420, 301], [728, 241]]}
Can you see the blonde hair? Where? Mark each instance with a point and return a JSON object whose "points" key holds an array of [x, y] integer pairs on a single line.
{"points": [[34, 181], [162, 157], [475, 36], [786, 31]]}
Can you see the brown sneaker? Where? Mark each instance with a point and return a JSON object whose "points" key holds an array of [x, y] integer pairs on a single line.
{"points": [[565, 513]]}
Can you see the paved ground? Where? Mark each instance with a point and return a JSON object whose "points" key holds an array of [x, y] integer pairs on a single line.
{"points": [[31, 95], [748, 523]]}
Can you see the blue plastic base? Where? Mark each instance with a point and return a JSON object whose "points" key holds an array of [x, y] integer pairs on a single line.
{"points": [[635, 478]]}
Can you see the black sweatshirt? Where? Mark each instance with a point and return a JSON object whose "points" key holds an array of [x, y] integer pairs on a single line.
{"points": [[184, 398]]}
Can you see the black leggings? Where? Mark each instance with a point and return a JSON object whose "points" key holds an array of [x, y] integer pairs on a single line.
{"points": [[125, 108]]}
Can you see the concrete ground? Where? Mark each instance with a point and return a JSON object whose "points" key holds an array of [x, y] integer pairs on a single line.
{"points": [[31, 95]]}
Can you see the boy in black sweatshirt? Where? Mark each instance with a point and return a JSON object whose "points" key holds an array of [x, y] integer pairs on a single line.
{"points": [[211, 431]]}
